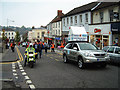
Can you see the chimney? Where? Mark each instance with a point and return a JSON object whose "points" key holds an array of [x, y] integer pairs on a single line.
{"points": [[59, 12]]}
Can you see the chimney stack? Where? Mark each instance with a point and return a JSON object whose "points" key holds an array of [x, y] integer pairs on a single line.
{"points": [[59, 12]]}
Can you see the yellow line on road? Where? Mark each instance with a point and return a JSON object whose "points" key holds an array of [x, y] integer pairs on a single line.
{"points": [[20, 58], [56, 59]]}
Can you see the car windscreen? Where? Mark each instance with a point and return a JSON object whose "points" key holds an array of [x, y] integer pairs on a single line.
{"points": [[87, 46]]}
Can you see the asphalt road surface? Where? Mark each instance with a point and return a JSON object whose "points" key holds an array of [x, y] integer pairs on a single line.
{"points": [[51, 72]]}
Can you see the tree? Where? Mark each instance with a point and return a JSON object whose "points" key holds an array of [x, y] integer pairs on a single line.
{"points": [[3, 35], [17, 37]]}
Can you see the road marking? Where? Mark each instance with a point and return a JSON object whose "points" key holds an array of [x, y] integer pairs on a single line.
{"points": [[28, 81], [56, 59], [13, 67], [22, 70], [15, 74], [26, 77], [16, 77], [32, 86], [21, 67], [23, 73], [14, 70]]}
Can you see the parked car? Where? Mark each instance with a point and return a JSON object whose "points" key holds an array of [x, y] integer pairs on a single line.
{"points": [[114, 54], [84, 53]]}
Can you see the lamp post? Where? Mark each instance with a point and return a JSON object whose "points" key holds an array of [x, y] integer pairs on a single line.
{"points": [[8, 20]]}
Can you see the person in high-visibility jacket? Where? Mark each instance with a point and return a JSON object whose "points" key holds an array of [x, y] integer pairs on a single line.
{"points": [[62, 46], [30, 48], [52, 47]]}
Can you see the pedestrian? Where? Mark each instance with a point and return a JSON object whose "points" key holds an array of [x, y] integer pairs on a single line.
{"points": [[35, 46], [45, 46], [40, 47], [52, 47], [12, 45]]}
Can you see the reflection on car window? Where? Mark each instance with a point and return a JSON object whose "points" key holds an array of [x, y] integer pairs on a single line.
{"points": [[111, 49], [117, 50], [105, 48], [69, 46], [87, 46], [75, 45]]}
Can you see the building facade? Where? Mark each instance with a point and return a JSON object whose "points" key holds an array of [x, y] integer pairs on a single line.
{"points": [[104, 19], [9, 33], [80, 16]]}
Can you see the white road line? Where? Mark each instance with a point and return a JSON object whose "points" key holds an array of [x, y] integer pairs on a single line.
{"points": [[26, 77], [32, 86], [22, 70], [14, 74], [23, 73], [14, 70], [21, 67], [16, 77], [13, 67], [28, 81]]}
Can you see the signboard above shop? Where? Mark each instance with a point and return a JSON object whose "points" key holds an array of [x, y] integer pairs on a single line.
{"points": [[77, 34]]}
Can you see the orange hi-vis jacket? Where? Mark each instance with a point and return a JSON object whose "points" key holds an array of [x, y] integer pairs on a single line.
{"points": [[53, 46], [62, 46]]}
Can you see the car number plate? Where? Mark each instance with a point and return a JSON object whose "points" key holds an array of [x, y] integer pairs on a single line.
{"points": [[31, 59]]}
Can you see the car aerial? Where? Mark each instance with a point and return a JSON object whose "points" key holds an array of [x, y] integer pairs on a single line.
{"points": [[114, 54], [83, 53]]}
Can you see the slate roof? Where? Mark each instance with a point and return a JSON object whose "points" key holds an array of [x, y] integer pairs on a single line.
{"points": [[57, 18], [89, 7]]}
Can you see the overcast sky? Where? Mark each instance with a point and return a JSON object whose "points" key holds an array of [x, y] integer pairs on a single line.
{"points": [[34, 12]]}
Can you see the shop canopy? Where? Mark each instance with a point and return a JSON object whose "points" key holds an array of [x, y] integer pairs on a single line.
{"points": [[77, 34]]}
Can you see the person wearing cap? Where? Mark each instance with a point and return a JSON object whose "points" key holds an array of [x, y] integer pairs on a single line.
{"points": [[27, 50]]}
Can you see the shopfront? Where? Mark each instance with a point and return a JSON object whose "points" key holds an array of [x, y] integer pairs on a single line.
{"points": [[115, 28], [100, 35]]}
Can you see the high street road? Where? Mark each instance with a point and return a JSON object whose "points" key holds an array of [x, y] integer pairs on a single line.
{"points": [[51, 72]]}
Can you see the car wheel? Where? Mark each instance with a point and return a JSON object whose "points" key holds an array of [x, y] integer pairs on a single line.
{"points": [[65, 59], [81, 64]]}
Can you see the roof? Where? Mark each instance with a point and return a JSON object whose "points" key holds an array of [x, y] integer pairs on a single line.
{"points": [[81, 9], [90, 7], [106, 4], [8, 29], [57, 18]]}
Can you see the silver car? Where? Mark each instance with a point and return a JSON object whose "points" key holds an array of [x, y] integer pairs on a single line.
{"points": [[84, 53], [114, 54]]}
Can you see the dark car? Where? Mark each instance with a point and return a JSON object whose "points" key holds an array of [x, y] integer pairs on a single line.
{"points": [[114, 54]]}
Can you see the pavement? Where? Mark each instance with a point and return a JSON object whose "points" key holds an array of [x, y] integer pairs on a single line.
{"points": [[6, 75]]}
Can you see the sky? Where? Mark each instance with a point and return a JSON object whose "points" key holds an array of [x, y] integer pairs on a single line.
{"points": [[34, 12]]}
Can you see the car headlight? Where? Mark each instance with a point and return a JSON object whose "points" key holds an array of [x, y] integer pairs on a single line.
{"points": [[89, 54]]}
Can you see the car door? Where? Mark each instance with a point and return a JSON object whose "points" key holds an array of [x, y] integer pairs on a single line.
{"points": [[110, 52], [117, 55], [74, 52], [68, 51]]}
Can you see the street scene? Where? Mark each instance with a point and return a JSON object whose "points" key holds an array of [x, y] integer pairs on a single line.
{"points": [[74, 46]]}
